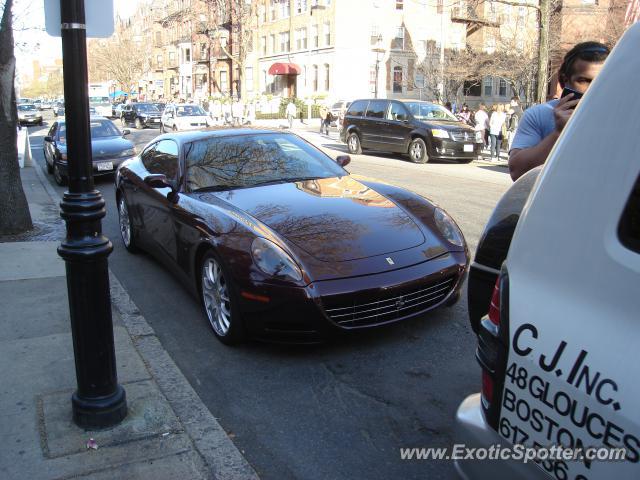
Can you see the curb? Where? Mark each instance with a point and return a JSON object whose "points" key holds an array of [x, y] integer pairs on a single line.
{"points": [[209, 439]]}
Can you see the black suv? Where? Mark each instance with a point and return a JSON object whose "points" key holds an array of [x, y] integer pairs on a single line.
{"points": [[141, 115], [424, 130]]}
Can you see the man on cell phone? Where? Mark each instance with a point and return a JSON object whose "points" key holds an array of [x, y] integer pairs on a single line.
{"points": [[541, 125]]}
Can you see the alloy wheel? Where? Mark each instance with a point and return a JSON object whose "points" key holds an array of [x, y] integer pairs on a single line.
{"points": [[125, 225], [216, 296]]}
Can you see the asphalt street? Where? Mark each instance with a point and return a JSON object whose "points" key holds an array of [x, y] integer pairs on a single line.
{"points": [[340, 410]]}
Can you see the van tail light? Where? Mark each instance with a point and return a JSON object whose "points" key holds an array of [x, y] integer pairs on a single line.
{"points": [[492, 351]]}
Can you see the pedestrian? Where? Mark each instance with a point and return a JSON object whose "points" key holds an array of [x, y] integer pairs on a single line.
{"points": [[496, 122], [481, 120], [291, 112], [323, 116], [541, 125], [216, 111], [448, 106], [328, 118], [236, 110], [465, 114], [226, 112]]}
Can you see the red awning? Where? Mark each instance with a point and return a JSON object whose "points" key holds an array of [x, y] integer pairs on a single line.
{"points": [[284, 69]]}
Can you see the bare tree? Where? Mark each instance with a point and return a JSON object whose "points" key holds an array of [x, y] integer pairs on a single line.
{"points": [[119, 58], [14, 210], [231, 23]]}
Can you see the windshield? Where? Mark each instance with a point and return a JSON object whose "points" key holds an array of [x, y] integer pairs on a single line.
{"points": [[189, 110], [25, 108], [429, 111], [99, 129], [147, 108], [99, 101], [250, 160]]}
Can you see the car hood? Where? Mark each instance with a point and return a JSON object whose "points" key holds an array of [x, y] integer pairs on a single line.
{"points": [[105, 148], [331, 219]]}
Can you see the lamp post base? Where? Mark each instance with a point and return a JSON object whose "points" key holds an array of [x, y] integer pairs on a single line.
{"points": [[98, 413]]}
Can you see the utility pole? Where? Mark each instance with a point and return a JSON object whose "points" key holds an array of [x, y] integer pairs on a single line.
{"points": [[544, 17], [99, 401]]}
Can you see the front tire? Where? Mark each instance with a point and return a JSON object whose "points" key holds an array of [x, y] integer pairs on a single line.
{"points": [[418, 151], [127, 232], [57, 175], [218, 300], [353, 144]]}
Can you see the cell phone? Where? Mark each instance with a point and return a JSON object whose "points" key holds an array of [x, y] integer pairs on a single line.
{"points": [[576, 95]]}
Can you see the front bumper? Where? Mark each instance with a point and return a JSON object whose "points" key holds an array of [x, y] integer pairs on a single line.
{"points": [[97, 169], [308, 314], [443, 149], [471, 430], [151, 122], [30, 120]]}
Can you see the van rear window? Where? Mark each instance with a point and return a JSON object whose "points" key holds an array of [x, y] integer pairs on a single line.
{"points": [[629, 227]]}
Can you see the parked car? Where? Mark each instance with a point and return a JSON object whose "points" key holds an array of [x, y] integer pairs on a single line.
{"points": [[424, 130], [58, 109], [558, 347], [117, 111], [278, 241], [108, 146], [141, 115], [28, 114], [184, 116]]}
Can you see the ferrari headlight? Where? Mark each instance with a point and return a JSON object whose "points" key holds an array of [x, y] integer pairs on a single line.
{"points": [[439, 133], [272, 260], [448, 227]]}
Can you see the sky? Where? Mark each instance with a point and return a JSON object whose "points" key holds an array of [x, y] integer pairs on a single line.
{"points": [[32, 42]]}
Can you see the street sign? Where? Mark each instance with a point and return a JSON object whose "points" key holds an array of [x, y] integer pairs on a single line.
{"points": [[419, 80], [98, 18]]}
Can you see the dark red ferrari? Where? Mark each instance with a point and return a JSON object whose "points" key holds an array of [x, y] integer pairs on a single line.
{"points": [[278, 241]]}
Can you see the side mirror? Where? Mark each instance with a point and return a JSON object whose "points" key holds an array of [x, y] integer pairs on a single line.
{"points": [[158, 180], [343, 160], [48, 139], [126, 132]]}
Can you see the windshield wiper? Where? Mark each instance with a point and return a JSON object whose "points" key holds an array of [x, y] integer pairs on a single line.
{"points": [[286, 180], [218, 188]]}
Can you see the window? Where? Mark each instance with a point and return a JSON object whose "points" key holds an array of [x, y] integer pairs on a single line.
{"points": [[397, 79], [273, 43], [520, 44], [203, 51], [487, 84], [376, 109], [357, 108], [327, 33], [440, 7], [490, 45], [285, 7], [375, 35], [315, 78], [272, 9], [263, 81], [162, 159], [158, 39], [327, 76], [248, 79], [263, 13], [187, 55], [284, 41], [159, 61], [301, 6], [399, 4], [492, 13], [522, 13], [502, 88], [629, 227], [315, 35], [172, 58], [472, 88], [398, 42], [224, 81], [301, 39], [397, 112], [263, 45]]}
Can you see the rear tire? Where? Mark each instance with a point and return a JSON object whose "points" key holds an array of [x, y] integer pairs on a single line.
{"points": [[218, 296], [353, 144], [418, 151]]}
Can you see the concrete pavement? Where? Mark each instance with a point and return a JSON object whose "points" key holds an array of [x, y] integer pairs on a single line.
{"points": [[168, 433]]}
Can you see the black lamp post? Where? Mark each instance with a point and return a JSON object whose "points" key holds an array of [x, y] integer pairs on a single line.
{"points": [[99, 401]]}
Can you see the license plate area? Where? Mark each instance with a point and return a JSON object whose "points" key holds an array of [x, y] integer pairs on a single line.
{"points": [[103, 166], [468, 148]]}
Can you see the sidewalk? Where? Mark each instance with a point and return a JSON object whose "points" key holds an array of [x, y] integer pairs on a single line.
{"points": [[168, 433]]}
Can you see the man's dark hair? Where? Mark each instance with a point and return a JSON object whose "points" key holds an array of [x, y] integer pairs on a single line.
{"points": [[594, 52]]}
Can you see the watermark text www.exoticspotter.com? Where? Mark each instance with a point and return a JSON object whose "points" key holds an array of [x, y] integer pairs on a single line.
{"points": [[460, 451]]}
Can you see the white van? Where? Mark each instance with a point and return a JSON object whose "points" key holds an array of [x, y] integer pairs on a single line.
{"points": [[558, 347]]}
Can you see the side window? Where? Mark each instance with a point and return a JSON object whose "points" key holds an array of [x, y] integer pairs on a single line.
{"points": [[377, 109], [357, 108], [397, 112], [147, 156], [164, 160], [629, 227]]}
